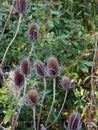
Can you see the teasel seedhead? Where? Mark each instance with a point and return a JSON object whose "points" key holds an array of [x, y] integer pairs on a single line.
{"points": [[40, 69], [66, 83], [19, 78], [25, 67], [1, 78], [21, 6], [74, 121], [33, 97], [53, 67], [33, 32]]}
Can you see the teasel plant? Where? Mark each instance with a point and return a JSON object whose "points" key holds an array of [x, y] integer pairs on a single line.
{"points": [[53, 71], [33, 100], [42, 73], [21, 7], [65, 84], [74, 122], [32, 35], [26, 70]]}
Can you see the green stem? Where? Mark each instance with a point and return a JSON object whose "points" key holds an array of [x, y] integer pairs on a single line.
{"points": [[54, 85], [31, 50], [12, 39], [59, 111], [42, 103], [34, 113]]}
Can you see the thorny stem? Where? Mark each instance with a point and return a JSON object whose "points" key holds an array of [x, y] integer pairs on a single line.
{"points": [[12, 40], [93, 88], [24, 89], [34, 113], [60, 110], [31, 50], [7, 19], [54, 85], [42, 103]]}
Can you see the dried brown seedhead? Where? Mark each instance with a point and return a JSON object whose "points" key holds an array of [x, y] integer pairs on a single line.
{"points": [[53, 67], [66, 83], [1, 78], [19, 78], [40, 68], [33, 32], [33, 97], [74, 121], [21, 6], [25, 67]]}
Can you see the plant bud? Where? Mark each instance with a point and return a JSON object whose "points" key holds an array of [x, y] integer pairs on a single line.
{"points": [[19, 78], [21, 6], [53, 67], [66, 83], [33, 32], [25, 67], [33, 97], [74, 121], [40, 68]]}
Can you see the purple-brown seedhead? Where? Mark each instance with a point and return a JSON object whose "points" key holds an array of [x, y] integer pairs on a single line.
{"points": [[74, 121], [19, 78], [40, 69], [25, 67], [21, 6], [66, 83], [33, 97], [53, 67], [1, 78], [33, 32]]}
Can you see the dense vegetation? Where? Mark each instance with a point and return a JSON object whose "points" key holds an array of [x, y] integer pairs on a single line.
{"points": [[68, 31]]}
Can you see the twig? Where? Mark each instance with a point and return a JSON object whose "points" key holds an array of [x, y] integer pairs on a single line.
{"points": [[54, 85], [12, 40], [7, 19], [34, 113], [93, 88], [59, 111], [42, 103], [31, 50], [3, 128]]}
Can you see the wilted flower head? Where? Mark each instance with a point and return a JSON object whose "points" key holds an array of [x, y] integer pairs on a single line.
{"points": [[53, 67], [1, 78], [25, 67], [40, 68], [66, 83], [33, 32], [21, 6], [33, 97], [19, 78], [74, 121]]}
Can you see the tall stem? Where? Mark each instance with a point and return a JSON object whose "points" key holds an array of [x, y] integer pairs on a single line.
{"points": [[7, 20], [60, 110], [54, 87], [24, 89], [42, 103], [12, 39], [34, 113], [31, 50]]}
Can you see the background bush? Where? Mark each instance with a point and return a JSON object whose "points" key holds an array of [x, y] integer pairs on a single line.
{"points": [[67, 31]]}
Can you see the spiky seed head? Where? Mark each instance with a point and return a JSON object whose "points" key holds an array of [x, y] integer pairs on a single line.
{"points": [[33, 32], [19, 78], [21, 6], [74, 121], [25, 67], [1, 78], [33, 97], [40, 68], [66, 83], [53, 67]]}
